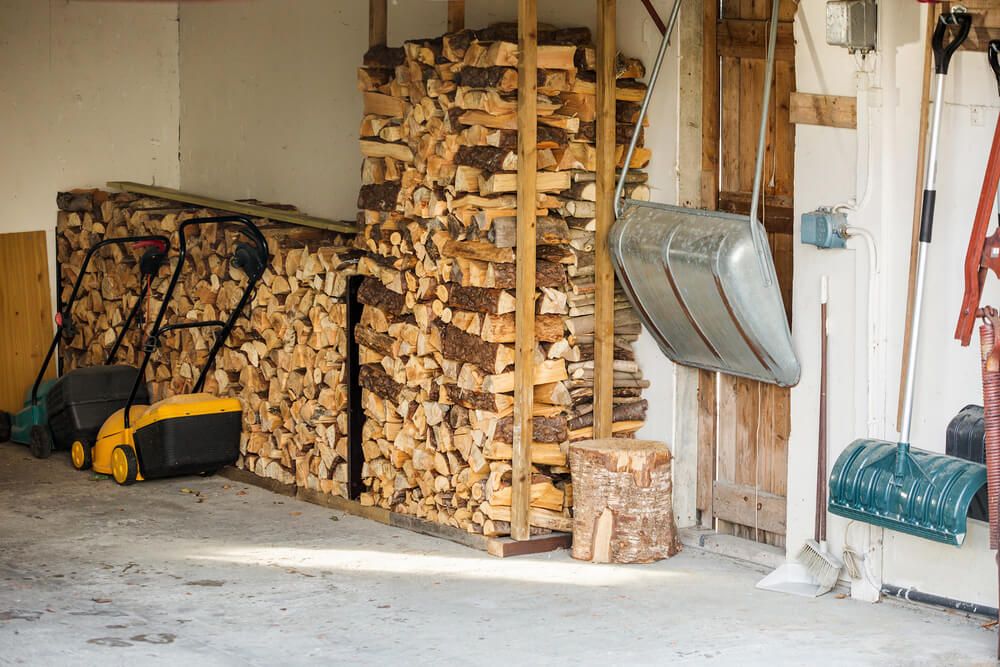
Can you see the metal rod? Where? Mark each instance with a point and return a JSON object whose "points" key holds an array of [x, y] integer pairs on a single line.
{"points": [[654, 74], [930, 179], [758, 174]]}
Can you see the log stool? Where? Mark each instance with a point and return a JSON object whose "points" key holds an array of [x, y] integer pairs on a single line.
{"points": [[622, 509]]}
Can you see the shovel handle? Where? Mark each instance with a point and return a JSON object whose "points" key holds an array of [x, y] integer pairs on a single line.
{"points": [[956, 25]]}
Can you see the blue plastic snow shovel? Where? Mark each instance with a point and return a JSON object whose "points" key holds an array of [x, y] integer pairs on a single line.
{"points": [[891, 484]]}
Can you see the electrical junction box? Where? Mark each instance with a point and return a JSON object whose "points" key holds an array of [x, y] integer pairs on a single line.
{"points": [[821, 228], [852, 24]]}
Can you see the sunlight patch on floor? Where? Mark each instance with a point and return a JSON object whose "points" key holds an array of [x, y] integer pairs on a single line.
{"points": [[523, 570]]}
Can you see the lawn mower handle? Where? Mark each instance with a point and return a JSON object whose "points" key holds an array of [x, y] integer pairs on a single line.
{"points": [[259, 248], [64, 318], [993, 55]]}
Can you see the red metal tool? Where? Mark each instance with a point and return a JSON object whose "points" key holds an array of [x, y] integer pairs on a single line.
{"points": [[984, 251]]}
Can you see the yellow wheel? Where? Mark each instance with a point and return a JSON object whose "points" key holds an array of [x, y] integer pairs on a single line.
{"points": [[79, 454], [124, 467]]}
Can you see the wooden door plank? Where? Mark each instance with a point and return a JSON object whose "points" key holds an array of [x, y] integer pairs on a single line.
{"points": [[748, 411], [710, 112], [604, 276], [524, 344], [727, 427], [748, 506], [730, 138], [26, 314], [784, 138], [751, 87], [707, 416]]}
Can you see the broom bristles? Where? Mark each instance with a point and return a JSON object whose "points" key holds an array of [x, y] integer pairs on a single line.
{"points": [[822, 565]]}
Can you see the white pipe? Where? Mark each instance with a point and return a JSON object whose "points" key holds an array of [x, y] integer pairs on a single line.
{"points": [[872, 336]]}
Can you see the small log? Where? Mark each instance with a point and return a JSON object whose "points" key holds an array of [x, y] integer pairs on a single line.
{"points": [[622, 511]]}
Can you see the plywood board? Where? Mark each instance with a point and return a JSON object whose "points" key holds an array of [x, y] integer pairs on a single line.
{"points": [[25, 314]]}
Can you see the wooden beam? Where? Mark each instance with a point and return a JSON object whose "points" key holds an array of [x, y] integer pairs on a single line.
{"points": [[527, 196], [604, 276], [933, 12], [825, 110], [708, 407], [253, 210], [689, 190], [456, 15], [378, 23]]}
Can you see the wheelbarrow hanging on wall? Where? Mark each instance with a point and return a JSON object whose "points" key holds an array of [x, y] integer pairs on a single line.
{"points": [[703, 282], [890, 484]]}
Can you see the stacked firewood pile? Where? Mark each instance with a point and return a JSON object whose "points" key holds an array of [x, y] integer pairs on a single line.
{"points": [[285, 359], [439, 196]]}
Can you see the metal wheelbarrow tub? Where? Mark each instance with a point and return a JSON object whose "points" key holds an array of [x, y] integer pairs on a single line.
{"points": [[697, 283], [906, 489]]}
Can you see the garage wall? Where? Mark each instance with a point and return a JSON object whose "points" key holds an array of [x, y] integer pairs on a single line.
{"points": [[88, 92], [948, 374], [273, 113]]}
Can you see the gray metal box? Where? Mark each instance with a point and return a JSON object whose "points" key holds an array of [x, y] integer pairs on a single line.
{"points": [[852, 24]]}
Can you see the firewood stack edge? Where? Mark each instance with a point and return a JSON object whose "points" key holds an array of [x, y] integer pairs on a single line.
{"points": [[285, 359], [438, 202]]}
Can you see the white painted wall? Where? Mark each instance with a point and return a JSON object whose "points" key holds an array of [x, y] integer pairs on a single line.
{"points": [[948, 375], [88, 93]]}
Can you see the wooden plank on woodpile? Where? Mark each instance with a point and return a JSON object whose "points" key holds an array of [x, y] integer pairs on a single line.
{"points": [[253, 210]]}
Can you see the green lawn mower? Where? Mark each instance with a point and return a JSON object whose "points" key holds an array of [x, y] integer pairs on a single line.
{"points": [[58, 412]]}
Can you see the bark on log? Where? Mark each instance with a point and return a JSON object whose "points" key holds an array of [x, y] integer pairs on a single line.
{"points": [[622, 511]]}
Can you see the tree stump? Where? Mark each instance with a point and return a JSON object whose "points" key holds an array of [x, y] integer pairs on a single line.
{"points": [[622, 509]]}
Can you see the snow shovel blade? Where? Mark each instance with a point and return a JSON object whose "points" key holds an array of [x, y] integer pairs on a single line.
{"points": [[905, 489], [696, 282]]}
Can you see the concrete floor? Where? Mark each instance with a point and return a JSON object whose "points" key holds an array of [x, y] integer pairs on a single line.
{"points": [[209, 571]]}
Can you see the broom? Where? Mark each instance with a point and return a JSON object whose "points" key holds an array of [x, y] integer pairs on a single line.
{"points": [[822, 565]]}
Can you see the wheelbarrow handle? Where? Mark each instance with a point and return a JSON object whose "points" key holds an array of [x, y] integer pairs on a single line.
{"points": [[654, 74], [955, 25], [993, 55]]}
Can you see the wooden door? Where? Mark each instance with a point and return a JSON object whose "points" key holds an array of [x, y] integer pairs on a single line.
{"points": [[25, 314], [749, 442]]}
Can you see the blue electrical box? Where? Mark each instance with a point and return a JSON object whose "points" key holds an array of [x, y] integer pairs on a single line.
{"points": [[822, 227]]}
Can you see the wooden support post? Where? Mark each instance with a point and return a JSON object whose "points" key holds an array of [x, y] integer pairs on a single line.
{"points": [[708, 406], [524, 344], [456, 15], [378, 20], [604, 278], [685, 441]]}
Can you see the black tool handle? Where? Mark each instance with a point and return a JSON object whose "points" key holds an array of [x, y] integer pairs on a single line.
{"points": [[993, 54], [961, 23]]}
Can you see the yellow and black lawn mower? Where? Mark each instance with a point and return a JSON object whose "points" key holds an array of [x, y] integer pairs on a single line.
{"points": [[189, 433]]}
